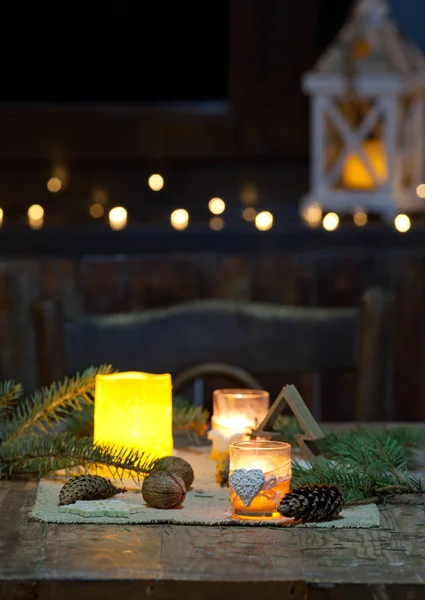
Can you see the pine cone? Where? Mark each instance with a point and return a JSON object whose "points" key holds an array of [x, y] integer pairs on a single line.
{"points": [[88, 487], [312, 503]]}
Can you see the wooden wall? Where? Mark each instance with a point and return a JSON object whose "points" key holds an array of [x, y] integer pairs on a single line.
{"points": [[328, 278]]}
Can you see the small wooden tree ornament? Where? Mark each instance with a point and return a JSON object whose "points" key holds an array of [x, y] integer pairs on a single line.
{"points": [[290, 396]]}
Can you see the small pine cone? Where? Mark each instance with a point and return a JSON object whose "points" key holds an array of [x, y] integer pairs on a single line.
{"points": [[312, 503], [88, 487]]}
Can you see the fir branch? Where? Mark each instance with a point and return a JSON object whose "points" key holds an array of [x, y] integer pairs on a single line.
{"points": [[10, 392], [43, 454], [367, 465], [81, 422], [52, 404], [190, 418]]}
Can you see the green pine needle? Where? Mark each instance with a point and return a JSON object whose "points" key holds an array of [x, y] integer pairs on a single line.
{"points": [[190, 418], [52, 404], [38, 455], [364, 463], [10, 392]]}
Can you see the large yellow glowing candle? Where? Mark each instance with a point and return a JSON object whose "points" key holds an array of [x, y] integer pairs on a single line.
{"points": [[135, 410]]}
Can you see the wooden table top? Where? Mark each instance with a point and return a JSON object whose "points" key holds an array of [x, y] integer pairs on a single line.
{"points": [[40, 561]]}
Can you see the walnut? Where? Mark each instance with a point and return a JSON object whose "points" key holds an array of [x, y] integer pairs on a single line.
{"points": [[161, 489], [179, 466]]}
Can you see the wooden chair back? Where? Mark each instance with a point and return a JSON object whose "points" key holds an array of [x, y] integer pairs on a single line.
{"points": [[244, 341]]}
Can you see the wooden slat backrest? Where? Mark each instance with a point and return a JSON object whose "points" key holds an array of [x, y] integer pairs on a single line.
{"points": [[259, 338]]}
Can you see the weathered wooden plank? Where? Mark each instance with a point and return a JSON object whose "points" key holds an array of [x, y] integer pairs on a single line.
{"points": [[344, 591], [170, 589], [394, 553], [409, 321], [101, 552], [21, 590], [6, 333], [230, 554], [21, 540], [103, 285], [59, 280], [338, 284]]}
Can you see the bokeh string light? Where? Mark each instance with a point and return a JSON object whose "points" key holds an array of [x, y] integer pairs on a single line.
{"points": [[216, 223], [420, 190], [402, 223], [360, 218], [330, 221], [179, 219], [117, 218], [217, 206], [156, 182], [312, 215], [264, 220], [97, 210], [35, 215], [249, 214], [54, 185]]}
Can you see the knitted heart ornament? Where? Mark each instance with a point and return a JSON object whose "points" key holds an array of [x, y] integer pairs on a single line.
{"points": [[247, 483]]}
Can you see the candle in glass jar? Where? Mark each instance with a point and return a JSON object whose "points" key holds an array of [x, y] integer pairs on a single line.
{"points": [[259, 477], [236, 412]]}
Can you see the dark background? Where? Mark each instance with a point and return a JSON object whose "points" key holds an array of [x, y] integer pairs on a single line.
{"points": [[126, 51]]}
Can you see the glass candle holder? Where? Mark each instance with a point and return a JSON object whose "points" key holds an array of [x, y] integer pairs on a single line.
{"points": [[236, 412], [259, 477], [135, 410]]}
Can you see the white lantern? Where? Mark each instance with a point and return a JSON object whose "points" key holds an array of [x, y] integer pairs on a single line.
{"points": [[367, 118]]}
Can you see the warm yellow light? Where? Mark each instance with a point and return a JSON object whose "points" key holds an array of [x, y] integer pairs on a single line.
{"points": [[117, 218], [312, 215], [264, 220], [54, 185], [355, 175], [402, 223], [179, 219], [216, 223], [360, 218], [217, 206], [134, 410], [249, 214], [330, 221], [97, 210], [1, 216], [420, 190], [274, 460], [156, 182], [35, 212], [36, 223]]}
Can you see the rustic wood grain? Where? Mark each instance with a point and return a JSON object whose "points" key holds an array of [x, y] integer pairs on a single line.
{"points": [[261, 338], [170, 590], [409, 321], [21, 540], [117, 552], [47, 562]]}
